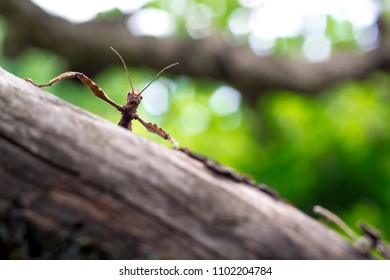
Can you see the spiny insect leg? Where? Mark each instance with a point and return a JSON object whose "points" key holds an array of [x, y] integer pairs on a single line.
{"points": [[97, 91], [153, 128], [63, 76]]}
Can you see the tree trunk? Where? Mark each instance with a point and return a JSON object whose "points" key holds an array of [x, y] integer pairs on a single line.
{"points": [[68, 172]]}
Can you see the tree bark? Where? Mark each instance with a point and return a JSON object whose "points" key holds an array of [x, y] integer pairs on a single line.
{"points": [[86, 48], [66, 170]]}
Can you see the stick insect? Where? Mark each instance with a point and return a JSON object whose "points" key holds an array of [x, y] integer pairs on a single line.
{"points": [[133, 99]]}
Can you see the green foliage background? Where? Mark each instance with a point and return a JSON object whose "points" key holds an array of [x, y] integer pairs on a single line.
{"points": [[332, 149]]}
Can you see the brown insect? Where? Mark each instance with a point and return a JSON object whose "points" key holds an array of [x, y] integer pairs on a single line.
{"points": [[133, 99]]}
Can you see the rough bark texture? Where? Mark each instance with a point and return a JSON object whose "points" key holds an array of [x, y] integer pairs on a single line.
{"points": [[85, 47], [69, 174]]}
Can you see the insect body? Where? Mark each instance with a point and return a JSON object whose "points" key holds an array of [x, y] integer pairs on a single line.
{"points": [[133, 99]]}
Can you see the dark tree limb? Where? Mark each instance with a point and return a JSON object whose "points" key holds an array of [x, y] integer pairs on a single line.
{"points": [[66, 170], [85, 47]]}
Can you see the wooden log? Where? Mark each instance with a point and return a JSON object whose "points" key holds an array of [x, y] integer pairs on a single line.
{"points": [[69, 170]]}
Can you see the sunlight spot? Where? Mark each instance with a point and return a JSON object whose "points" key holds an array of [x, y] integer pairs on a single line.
{"points": [[155, 99], [269, 22], [314, 24], [178, 8], [261, 46], [225, 100], [367, 38], [272, 19], [238, 22], [80, 11], [151, 22], [198, 21], [361, 13], [230, 122], [250, 3], [316, 48], [194, 119]]}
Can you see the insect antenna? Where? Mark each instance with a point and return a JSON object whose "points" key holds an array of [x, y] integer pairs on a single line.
{"points": [[124, 65], [158, 74]]}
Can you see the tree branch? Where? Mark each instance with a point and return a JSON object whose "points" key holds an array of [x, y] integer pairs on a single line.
{"points": [[69, 171], [85, 46]]}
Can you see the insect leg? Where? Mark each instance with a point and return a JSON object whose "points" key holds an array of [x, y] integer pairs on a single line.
{"points": [[97, 91], [153, 128]]}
